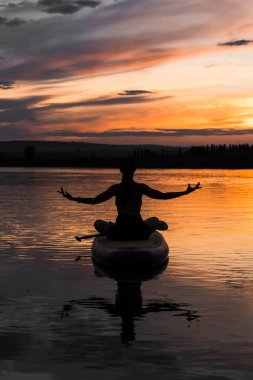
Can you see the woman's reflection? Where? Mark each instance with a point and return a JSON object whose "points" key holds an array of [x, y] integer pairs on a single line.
{"points": [[128, 304]]}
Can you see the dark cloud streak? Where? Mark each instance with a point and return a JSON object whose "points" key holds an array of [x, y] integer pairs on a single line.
{"points": [[66, 7], [6, 84], [20, 103], [12, 22], [155, 133], [19, 110], [29, 109], [134, 92], [107, 101], [97, 57], [236, 43]]}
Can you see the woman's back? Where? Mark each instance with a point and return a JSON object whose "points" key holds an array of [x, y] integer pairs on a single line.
{"points": [[128, 198]]}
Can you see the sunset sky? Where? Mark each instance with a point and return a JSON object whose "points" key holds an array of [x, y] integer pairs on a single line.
{"points": [[127, 71]]}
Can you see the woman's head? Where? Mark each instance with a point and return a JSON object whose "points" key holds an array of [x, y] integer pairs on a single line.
{"points": [[127, 166]]}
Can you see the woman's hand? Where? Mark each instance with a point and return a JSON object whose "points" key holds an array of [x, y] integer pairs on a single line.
{"points": [[65, 194], [190, 189]]}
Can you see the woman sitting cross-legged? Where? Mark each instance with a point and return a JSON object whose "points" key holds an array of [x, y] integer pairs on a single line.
{"points": [[128, 194]]}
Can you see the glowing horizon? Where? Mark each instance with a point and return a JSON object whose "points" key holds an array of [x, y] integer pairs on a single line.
{"points": [[164, 72]]}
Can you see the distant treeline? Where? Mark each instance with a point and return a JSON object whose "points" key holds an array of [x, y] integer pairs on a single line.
{"points": [[207, 149], [230, 156], [94, 155], [221, 156]]}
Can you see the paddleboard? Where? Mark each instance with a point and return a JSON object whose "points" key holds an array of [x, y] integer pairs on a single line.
{"points": [[140, 253]]}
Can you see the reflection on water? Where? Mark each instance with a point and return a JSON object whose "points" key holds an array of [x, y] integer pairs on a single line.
{"points": [[59, 320], [128, 306]]}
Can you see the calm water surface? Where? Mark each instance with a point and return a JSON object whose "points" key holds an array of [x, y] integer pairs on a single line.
{"points": [[59, 319]]}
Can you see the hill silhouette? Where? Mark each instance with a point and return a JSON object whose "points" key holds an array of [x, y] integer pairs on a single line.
{"points": [[85, 154]]}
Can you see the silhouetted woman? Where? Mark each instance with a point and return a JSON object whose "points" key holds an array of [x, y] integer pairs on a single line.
{"points": [[128, 195]]}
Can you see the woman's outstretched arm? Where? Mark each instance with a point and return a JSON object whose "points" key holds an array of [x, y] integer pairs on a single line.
{"points": [[156, 194], [103, 197]]}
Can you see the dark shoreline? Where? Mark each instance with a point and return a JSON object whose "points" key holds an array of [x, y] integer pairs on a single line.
{"points": [[87, 155]]}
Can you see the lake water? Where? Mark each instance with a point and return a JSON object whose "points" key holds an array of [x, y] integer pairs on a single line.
{"points": [[59, 319]]}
